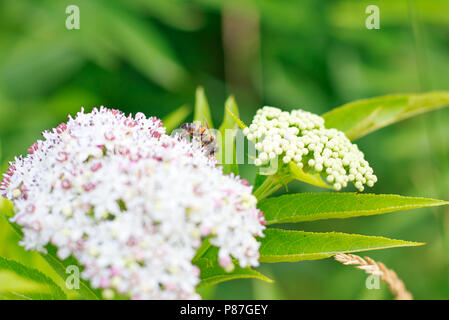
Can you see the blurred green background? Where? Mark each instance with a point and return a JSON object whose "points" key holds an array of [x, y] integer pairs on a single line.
{"points": [[150, 55]]}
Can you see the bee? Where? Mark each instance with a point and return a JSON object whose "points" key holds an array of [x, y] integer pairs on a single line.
{"points": [[203, 135]]}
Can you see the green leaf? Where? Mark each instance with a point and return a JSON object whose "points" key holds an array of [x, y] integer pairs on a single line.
{"points": [[175, 119], [317, 206], [60, 266], [239, 122], [312, 178], [28, 296], [228, 120], [201, 251], [18, 296], [361, 117], [50, 290], [202, 110], [227, 146], [212, 273], [6, 208], [291, 246]]}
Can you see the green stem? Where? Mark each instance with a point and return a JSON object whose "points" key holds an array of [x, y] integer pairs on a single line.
{"points": [[271, 184]]}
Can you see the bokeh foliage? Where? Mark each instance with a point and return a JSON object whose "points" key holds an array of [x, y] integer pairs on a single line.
{"points": [[150, 55]]}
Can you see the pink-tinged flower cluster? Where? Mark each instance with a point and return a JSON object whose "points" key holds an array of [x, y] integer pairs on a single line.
{"points": [[131, 204]]}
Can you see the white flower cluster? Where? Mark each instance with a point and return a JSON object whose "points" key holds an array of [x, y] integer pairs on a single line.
{"points": [[131, 204], [301, 137]]}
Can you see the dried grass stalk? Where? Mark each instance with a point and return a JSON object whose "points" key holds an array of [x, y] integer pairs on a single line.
{"points": [[370, 266]]}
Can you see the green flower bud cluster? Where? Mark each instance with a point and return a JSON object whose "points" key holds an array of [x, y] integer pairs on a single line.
{"points": [[301, 137]]}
